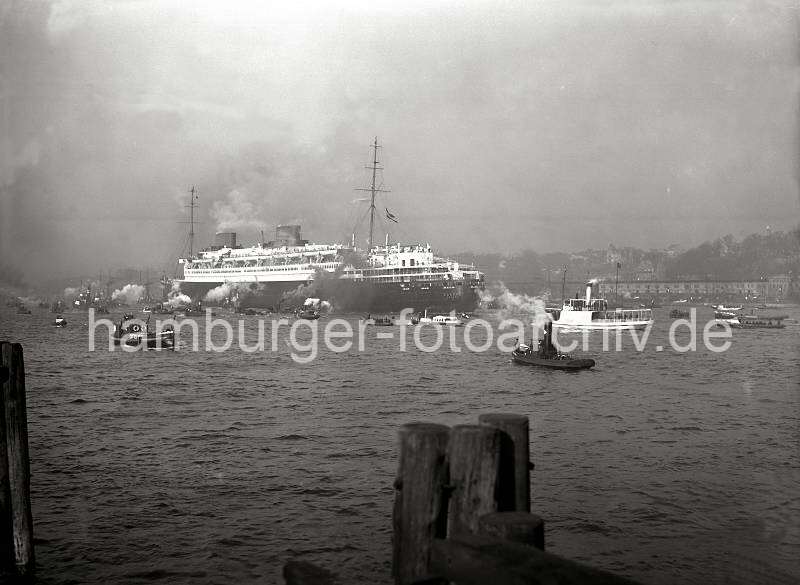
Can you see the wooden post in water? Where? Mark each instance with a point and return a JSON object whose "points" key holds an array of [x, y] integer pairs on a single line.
{"points": [[6, 541], [516, 427], [15, 474], [420, 505], [521, 527], [481, 476]]}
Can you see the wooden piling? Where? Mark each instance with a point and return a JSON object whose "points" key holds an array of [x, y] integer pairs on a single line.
{"points": [[520, 527], [6, 540], [420, 505], [481, 479], [15, 474], [517, 428]]}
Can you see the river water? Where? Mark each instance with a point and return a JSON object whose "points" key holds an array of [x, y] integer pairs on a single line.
{"points": [[204, 467]]}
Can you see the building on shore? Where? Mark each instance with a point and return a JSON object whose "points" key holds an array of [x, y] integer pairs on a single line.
{"points": [[767, 289]]}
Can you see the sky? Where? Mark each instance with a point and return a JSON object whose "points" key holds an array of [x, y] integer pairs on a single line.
{"points": [[546, 125]]}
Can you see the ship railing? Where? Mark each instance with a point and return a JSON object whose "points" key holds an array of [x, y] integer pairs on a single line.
{"points": [[624, 315]]}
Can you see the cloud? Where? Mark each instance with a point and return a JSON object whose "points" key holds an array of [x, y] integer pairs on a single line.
{"points": [[546, 124]]}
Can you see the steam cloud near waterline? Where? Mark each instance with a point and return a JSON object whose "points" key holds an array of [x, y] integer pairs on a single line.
{"points": [[128, 294]]}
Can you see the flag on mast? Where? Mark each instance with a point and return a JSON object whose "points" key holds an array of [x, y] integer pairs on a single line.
{"points": [[390, 216]]}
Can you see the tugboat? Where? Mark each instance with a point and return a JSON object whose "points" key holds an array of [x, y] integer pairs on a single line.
{"points": [[60, 321], [547, 356], [134, 335]]}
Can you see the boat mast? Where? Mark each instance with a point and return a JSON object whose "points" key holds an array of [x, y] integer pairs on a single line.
{"points": [[373, 190], [563, 284], [192, 199]]}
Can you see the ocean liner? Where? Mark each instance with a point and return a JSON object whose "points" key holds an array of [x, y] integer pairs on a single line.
{"points": [[285, 271]]}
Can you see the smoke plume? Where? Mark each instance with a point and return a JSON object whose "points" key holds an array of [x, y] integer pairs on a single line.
{"points": [[513, 304], [176, 298], [226, 291], [128, 294]]}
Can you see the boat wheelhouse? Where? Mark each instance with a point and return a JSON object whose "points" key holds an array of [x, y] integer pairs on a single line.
{"points": [[593, 313]]}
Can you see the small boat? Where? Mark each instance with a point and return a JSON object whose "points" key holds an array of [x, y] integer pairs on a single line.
{"points": [[196, 310], [725, 309], [133, 334], [308, 314], [450, 319], [60, 322], [547, 356], [592, 313], [678, 314], [383, 321], [762, 322], [729, 317], [23, 310]]}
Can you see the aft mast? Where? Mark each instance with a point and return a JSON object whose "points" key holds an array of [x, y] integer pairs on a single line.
{"points": [[374, 190]]}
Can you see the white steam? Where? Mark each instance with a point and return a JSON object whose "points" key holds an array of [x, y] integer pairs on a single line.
{"points": [[176, 298], [128, 294], [224, 292], [512, 304], [317, 304]]}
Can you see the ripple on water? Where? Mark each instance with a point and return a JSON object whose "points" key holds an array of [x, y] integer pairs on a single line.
{"points": [[216, 468]]}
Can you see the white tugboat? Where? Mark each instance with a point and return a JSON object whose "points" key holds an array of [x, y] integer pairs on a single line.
{"points": [[593, 313]]}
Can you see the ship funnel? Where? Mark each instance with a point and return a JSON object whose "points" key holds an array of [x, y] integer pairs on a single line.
{"points": [[588, 292]]}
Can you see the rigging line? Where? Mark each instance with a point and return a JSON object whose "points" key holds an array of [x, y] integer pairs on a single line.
{"points": [[361, 220]]}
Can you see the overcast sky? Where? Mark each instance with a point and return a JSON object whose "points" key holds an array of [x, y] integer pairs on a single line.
{"points": [[544, 125]]}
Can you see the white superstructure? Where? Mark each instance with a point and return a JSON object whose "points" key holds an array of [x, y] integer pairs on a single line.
{"points": [[261, 264]]}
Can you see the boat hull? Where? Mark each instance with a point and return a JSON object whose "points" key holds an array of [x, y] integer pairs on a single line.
{"points": [[603, 326], [553, 364], [348, 296], [164, 340]]}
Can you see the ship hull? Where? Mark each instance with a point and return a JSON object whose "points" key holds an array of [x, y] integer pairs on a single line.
{"points": [[346, 295]]}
